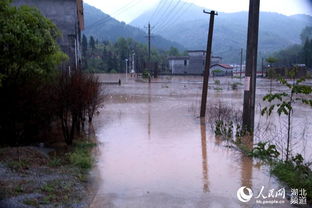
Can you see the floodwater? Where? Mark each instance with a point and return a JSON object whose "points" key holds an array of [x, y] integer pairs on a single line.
{"points": [[155, 152]]}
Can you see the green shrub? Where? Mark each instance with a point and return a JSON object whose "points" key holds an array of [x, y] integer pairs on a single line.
{"points": [[264, 150], [235, 85], [146, 74], [295, 174], [217, 82], [81, 157]]}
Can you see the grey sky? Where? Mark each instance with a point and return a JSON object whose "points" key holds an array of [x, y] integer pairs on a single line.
{"points": [[126, 10]]}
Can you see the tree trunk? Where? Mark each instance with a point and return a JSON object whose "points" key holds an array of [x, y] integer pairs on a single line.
{"points": [[288, 135]]}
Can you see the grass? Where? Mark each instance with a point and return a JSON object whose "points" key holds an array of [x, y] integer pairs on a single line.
{"points": [[81, 156], [55, 162], [31, 202], [56, 191], [295, 177], [294, 173], [17, 165]]}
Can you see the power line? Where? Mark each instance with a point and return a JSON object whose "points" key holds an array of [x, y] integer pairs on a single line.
{"points": [[164, 13], [117, 12], [171, 12], [159, 6], [175, 18]]}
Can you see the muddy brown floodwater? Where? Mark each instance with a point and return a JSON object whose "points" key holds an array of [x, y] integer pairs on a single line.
{"points": [[155, 152]]}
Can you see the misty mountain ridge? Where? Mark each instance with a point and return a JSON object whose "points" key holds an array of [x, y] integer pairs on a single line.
{"points": [[189, 27], [104, 27]]}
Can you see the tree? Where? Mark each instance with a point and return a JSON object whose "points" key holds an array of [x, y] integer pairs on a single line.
{"points": [[296, 93], [271, 72], [84, 46], [92, 43], [306, 34], [307, 52], [173, 51], [29, 56]]}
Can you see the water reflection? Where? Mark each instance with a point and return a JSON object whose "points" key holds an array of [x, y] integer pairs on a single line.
{"points": [[149, 111], [204, 154], [155, 154], [247, 163]]}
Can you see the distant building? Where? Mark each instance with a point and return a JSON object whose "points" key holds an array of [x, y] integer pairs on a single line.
{"points": [[179, 64], [68, 16], [193, 64], [218, 70]]}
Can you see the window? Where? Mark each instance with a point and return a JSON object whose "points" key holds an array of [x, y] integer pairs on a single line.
{"points": [[185, 62]]}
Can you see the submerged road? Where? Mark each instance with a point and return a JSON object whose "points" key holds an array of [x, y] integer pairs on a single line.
{"points": [[155, 152]]}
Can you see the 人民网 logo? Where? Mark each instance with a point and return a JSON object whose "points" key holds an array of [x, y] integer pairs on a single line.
{"points": [[242, 196]]}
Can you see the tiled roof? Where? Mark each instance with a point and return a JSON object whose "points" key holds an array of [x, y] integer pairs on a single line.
{"points": [[226, 66]]}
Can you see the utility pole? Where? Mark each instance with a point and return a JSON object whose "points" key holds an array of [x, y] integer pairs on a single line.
{"points": [[207, 65], [251, 66], [133, 63], [149, 43], [262, 66], [149, 37], [241, 63], [126, 70]]}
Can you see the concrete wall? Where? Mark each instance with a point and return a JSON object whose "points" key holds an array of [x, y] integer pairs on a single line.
{"points": [[64, 14], [178, 66]]}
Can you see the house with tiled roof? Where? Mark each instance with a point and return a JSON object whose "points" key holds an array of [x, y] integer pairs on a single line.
{"points": [[218, 70]]}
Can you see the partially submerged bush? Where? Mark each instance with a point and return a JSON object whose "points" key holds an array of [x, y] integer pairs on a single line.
{"points": [[146, 74], [224, 120], [295, 173], [217, 82], [77, 97], [264, 150]]}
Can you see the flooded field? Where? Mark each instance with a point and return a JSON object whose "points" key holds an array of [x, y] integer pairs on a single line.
{"points": [[155, 152]]}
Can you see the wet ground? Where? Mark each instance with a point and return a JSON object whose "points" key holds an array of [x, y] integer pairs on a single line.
{"points": [[155, 152]]}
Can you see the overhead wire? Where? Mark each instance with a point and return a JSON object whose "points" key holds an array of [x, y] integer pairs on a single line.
{"points": [[164, 13], [116, 12], [159, 6], [175, 18], [170, 15]]}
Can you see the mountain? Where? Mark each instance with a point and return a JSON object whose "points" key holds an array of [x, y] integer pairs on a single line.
{"points": [[190, 28], [103, 27]]}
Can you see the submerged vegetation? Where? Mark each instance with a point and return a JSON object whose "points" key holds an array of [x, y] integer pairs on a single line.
{"points": [[292, 171]]}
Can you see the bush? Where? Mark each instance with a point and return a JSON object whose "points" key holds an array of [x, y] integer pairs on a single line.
{"points": [[77, 98], [264, 150], [295, 175], [217, 82], [146, 74], [235, 85], [34, 93], [29, 57], [81, 157]]}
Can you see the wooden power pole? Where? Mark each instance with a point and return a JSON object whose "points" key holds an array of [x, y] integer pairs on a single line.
{"points": [[207, 65], [241, 64], [149, 43], [251, 66]]}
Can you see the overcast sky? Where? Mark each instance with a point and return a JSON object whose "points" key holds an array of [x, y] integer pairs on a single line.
{"points": [[127, 10]]}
